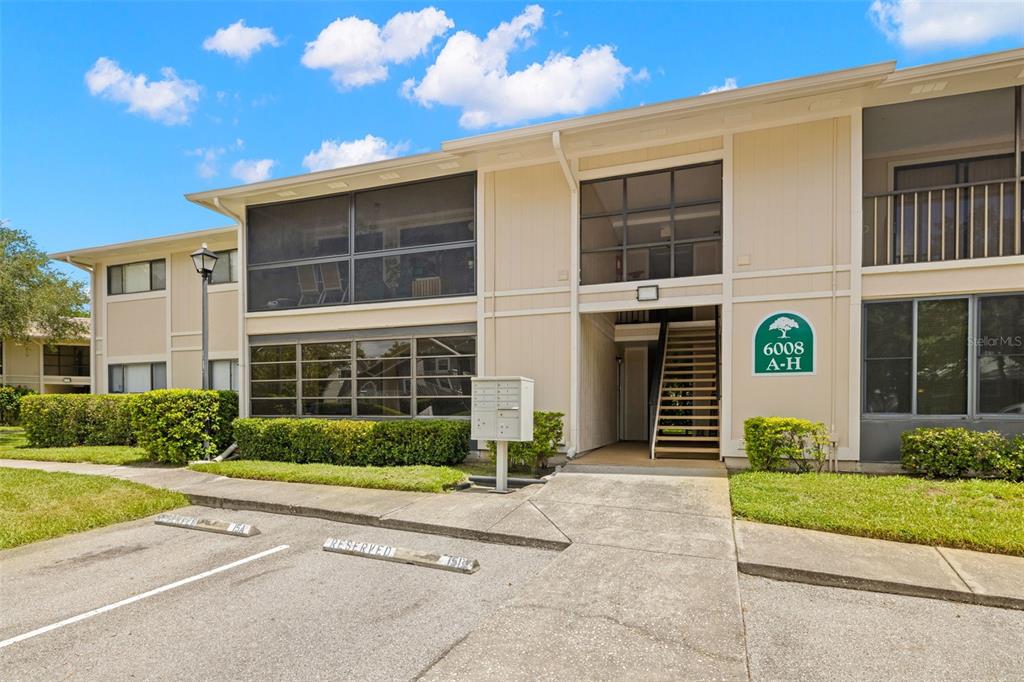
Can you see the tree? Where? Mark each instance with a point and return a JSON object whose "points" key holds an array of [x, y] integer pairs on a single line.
{"points": [[783, 325], [36, 300]]}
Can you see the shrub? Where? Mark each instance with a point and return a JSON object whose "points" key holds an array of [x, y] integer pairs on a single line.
{"points": [[778, 443], [67, 420], [178, 425], [534, 454], [355, 443], [10, 404], [952, 452]]}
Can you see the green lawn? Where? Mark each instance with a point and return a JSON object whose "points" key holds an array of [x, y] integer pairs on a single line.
{"points": [[14, 446], [36, 505], [973, 514], [427, 479]]}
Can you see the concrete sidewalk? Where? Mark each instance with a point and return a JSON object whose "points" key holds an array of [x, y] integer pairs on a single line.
{"points": [[818, 558], [474, 515]]}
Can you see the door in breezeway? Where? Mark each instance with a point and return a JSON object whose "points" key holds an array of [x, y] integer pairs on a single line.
{"points": [[634, 394]]}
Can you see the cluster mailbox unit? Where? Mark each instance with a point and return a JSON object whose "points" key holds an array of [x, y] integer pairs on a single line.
{"points": [[502, 412]]}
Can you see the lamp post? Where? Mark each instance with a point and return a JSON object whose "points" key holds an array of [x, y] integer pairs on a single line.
{"points": [[205, 260]]}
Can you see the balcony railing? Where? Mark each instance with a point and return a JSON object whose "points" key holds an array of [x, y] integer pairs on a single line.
{"points": [[950, 222]]}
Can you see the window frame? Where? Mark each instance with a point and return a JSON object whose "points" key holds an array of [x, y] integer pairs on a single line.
{"points": [[234, 376], [973, 378], [119, 267], [225, 256], [353, 375], [152, 377], [56, 352], [351, 256], [671, 208]]}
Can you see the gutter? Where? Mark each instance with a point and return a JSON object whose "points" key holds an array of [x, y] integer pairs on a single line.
{"points": [[574, 301]]}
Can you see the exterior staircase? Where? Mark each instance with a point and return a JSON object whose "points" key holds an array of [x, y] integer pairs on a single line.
{"points": [[686, 420]]}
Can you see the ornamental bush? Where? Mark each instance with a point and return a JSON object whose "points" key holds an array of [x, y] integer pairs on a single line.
{"points": [[67, 420], [956, 452], [780, 443], [533, 455], [180, 424], [353, 442], [10, 404]]}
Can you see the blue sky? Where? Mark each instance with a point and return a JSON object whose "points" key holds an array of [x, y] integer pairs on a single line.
{"points": [[92, 151]]}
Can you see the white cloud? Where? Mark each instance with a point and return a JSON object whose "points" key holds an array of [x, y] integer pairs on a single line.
{"points": [[357, 51], [936, 24], [209, 157], [336, 153], [169, 101], [240, 41], [252, 170], [729, 84], [473, 74]]}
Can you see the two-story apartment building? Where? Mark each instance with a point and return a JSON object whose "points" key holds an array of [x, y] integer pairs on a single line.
{"points": [[844, 247]]}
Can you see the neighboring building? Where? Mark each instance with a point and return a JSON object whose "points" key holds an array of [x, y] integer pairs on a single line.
{"points": [[146, 310], [844, 247], [61, 367]]}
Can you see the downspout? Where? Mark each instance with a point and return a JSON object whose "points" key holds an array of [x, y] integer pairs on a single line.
{"points": [[243, 346], [833, 436], [574, 299]]}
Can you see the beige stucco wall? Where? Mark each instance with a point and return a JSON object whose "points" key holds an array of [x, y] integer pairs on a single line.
{"points": [[136, 327], [528, 229], [823, 396], [379, 316], [791, 189], [21, 366], [951, 277], [598, 382]]}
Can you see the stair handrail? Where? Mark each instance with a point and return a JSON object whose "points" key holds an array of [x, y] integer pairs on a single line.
{"points": [[652, 397], [718, 358]]}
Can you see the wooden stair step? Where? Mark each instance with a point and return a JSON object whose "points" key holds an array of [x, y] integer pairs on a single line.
{"points": [[705, 439]]}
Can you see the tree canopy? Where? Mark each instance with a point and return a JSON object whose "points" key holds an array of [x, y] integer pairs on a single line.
{"points": [[36, 299]]}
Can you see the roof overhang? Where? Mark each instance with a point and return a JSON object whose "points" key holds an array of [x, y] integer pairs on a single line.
{"points": [[88, 257]]}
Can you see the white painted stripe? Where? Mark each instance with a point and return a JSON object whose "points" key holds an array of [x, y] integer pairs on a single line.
{"points": [[139, 597]]}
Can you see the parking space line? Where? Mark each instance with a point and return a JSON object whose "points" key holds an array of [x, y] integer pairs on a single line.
{"points": [[139, 597]]}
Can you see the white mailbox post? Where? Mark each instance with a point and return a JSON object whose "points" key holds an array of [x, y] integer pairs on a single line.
{"points": [[502, 412]]}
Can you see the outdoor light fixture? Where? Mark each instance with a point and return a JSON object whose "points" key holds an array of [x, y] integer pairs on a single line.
{"points": [[205, 261], [648, 292]]}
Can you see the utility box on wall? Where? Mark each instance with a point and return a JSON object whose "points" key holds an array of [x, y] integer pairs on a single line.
{"points": [[502, 409]]}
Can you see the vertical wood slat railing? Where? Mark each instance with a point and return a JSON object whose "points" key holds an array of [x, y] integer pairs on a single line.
{"points": [[949, 222]]}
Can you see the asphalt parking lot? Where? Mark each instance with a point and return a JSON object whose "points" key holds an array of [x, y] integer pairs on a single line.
{"points": [[286, 610]]}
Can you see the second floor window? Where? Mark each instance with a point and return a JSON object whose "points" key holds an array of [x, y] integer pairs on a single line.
{"points": [[133, 278], [407, 241], [226, 269], [652, 225]]}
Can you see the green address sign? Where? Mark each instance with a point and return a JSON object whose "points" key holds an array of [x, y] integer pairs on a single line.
{"points": [[784, 344]]}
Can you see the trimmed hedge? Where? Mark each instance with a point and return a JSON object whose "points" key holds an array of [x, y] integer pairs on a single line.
{"points": [[957, 452], [436, 442], [172, 425], [780, 443], [67, 420], [179, 424], [548, 432], [10, 404]]}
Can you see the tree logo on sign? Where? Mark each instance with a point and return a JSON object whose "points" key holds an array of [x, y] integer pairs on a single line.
{"points": [[784, 344]]}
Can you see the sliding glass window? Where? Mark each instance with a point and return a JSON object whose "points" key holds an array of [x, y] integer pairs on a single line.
{"points": [[378, 378], [652, 225], [959, 356], [402, 242]]}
